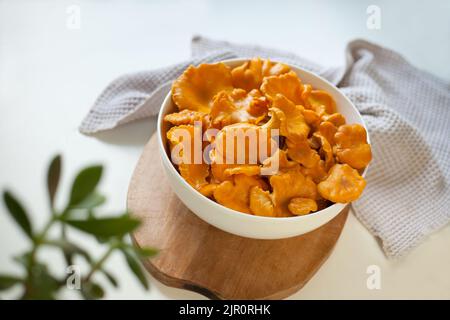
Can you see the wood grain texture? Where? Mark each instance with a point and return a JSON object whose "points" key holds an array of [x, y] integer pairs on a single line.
{"points": [[199, 257]]}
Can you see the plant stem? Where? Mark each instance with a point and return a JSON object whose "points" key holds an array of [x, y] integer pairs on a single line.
{"points": [[44, 232], [40, 238], [37, 241], [96, 266]]}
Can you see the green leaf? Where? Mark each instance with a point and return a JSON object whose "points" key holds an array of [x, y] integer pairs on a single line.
{"points": [[41, 285], [85, 209], [53, 175], [84, 184], [7, 282], [69, 249], [145, 252], [106, 227], [102, 240], [136, 268], [91, 291], [91, 201], [18, 213], [110, 277]]}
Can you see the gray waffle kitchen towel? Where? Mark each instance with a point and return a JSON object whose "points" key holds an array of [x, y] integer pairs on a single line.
{"points": [[406, 110]]}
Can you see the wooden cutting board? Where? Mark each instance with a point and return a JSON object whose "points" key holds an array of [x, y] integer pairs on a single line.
{"points": [[199, 257]]}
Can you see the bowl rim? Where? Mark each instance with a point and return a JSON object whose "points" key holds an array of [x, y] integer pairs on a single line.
{"points": [[165, 158]]}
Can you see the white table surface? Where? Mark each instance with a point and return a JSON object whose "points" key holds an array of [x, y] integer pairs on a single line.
{"points": [[51, 74]]}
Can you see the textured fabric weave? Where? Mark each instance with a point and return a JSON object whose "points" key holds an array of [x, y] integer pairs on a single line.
{"points": [[406, 110]]}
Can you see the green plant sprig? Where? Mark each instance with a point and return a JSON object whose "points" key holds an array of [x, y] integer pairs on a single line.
{"points": [[79, 213]]}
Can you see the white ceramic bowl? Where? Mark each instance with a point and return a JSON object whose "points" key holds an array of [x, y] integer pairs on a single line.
{"points": [[243, 224]]}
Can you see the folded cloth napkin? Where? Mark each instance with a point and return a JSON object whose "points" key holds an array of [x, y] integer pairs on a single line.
{"points": [[406, 110]]}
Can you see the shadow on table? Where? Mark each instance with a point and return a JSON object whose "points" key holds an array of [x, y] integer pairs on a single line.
{"points": [[136, 133]]}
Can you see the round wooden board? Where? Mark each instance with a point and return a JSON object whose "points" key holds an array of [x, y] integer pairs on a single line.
{"points": [[199, 257]]}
